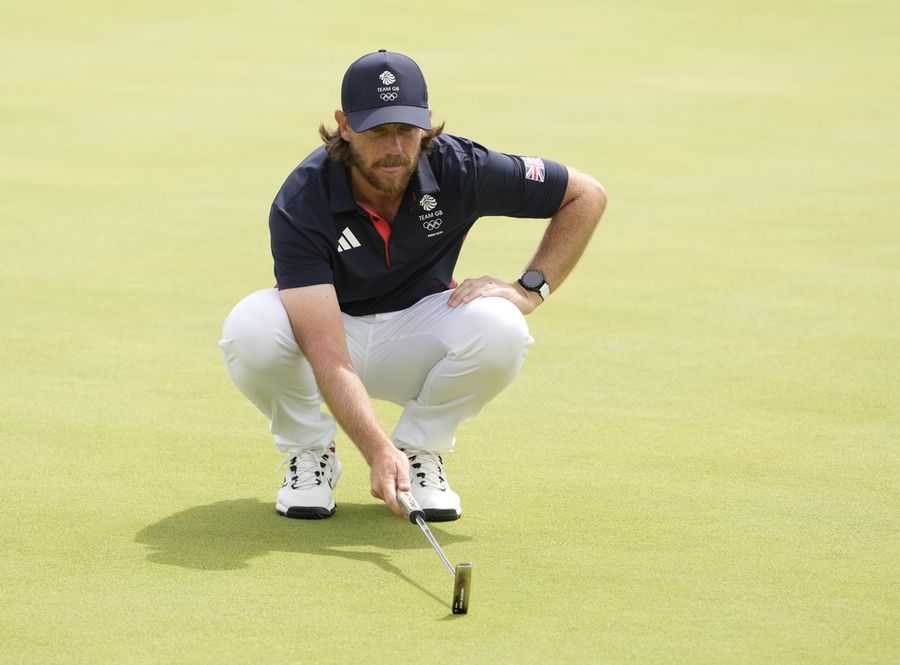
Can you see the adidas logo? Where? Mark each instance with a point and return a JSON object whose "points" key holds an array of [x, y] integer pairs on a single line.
{"points": [[348, 240]]}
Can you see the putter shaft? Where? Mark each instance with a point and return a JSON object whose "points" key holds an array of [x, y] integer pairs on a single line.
{"points": [[462, 574], [434, 543]]}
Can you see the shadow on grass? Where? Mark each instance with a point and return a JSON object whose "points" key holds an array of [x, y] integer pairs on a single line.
{"points": [[226, 535]]}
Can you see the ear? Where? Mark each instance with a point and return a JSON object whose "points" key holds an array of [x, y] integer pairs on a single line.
{"points": [[343, 124]]}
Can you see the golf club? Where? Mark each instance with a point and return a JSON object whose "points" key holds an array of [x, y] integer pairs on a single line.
{"points": [[462, 574]]}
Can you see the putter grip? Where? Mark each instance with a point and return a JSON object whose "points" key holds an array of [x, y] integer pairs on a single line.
{"points": [[410, 507]]}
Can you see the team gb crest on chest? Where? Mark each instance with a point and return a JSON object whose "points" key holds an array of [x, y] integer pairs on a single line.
{"points": [[432, 218]]}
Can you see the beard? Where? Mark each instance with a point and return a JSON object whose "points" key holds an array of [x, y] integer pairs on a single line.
{"points": [[386, 183]]}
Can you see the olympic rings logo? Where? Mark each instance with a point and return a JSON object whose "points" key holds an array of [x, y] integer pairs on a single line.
{"points": [[433, 224], [388, 96]]}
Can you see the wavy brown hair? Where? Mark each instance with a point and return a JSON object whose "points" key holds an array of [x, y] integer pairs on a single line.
{"points": [[339, 150]]}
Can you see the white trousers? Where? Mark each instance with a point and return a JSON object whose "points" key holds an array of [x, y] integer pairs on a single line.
{"points": [[441, 364]]}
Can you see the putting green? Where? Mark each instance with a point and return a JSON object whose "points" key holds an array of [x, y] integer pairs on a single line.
{"points": [[700, 461]]}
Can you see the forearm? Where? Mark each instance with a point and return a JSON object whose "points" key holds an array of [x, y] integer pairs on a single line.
{"points": [[570, 229], [562, 245], [351, 406]]}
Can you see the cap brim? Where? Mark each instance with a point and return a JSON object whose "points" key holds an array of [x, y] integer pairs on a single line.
{"points": [[365, 119]]}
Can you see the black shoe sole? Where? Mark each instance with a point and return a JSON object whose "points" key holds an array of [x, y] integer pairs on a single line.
{"points": [[440, 514], [301, 513]]}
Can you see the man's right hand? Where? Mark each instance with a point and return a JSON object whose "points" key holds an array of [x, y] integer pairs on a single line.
{"points": [[389, 474]]}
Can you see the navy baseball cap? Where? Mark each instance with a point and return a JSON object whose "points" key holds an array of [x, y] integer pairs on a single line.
{"points": [[385, 87]]}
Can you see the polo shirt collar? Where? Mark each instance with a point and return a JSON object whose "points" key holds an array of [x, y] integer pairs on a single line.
{"points": [[342, 198]]}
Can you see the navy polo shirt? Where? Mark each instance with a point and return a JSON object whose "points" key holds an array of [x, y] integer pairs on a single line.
{"points": [[320, 235]]}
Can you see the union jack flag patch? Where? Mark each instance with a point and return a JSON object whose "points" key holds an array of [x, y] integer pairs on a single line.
{"points": [[534, 168]]}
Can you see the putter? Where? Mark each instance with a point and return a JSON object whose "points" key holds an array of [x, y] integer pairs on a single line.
{"points": [[462, 574]]}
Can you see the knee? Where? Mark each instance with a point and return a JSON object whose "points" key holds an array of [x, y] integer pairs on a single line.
{"points": [[257, 333], [502, 333]]}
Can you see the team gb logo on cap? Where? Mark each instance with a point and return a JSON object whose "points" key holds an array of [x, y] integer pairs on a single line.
{"points": [[388, 92]]}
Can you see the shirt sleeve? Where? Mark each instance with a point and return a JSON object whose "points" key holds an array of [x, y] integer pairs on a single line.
{"points": [[301, 254], [515, 186]]}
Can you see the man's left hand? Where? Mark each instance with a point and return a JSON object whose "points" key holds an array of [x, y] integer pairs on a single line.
{"points": [[491, 287]]}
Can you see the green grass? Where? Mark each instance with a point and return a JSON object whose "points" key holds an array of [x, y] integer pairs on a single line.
{"points": [[698, 464]]}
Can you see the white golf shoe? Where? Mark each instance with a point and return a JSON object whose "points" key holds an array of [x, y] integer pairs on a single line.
{"points": [[430, 487], [308, 484]]}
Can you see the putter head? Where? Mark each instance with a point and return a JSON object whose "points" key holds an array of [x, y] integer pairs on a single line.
{"points": [[462, 588]]}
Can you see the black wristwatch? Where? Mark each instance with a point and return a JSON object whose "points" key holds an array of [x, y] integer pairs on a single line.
{"points": [[533, 280]]}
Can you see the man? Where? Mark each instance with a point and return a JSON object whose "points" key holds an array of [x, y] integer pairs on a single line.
{"points": [[365, 235]]}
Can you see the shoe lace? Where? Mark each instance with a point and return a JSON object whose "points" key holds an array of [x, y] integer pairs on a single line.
{"points": [[306, 469], [428, 469]]}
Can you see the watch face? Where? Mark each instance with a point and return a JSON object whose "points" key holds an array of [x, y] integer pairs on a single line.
{"points": [[532, 279]]}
